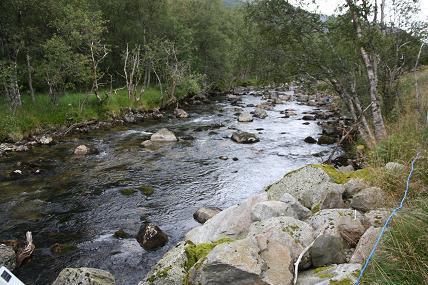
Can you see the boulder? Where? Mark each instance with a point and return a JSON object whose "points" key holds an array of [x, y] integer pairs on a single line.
{"points": [[368, 199], [260, 113], [308, 118], [204, 214], [45, 140], [269, 209], [82, 150], [365, 245], [352, 187], [84, 276], [376, 218], [311, 186], [245, 118], [394, 167], [301, 212], [151, 237], [163, 135], [129, 118], [232, 222], [180, 113], [7, 257], [345, 274], [170, 270], [244, 138], [243, 262], [147, 144], [288, 231], [328, 249], [310, 140], [323, 140]]}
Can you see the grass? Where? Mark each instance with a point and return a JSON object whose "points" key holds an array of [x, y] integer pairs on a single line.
{"points": [[33, 118], [402, 257]]}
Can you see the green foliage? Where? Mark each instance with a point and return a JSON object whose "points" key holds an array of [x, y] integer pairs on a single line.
{"points": [[197, 252]]}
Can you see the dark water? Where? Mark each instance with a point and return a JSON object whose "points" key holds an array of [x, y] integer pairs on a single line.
{"points": [[77, 201]]}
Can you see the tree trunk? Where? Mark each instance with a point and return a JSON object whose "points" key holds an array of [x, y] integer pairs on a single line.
{"points": [[30, 78]]}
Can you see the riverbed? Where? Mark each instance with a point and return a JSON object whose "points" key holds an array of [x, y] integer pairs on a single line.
{"points": [[77, 201]]}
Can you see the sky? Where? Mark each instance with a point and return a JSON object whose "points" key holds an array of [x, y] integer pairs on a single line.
{"points": [[328, 7]]}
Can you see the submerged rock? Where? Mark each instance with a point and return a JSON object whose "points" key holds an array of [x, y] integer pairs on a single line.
{"points": [[84, 276], [245, 138], [205, 213], [151, 237], [163, 135], [7, 257]]}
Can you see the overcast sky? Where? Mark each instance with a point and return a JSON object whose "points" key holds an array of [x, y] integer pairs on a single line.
{"points": [[328, 6]]}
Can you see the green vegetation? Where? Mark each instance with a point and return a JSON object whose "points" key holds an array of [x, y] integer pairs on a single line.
{"points": [[341, 177], [159, 274], [128, 191], [147, 190]]}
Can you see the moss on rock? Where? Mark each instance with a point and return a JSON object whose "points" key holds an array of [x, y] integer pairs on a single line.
{"points": [[147, 190], [128, 191], [340, 177]]}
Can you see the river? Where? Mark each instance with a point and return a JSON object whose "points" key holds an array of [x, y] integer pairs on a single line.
{"points": [[77, 200]]}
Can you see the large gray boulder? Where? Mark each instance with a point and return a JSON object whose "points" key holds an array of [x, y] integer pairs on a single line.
{"points": [[244, 262], [84, 276], [300, 211], [288, 231], [353, 186], [345, 274], [328, 249], [163, 135], [7, 257], [311, 186], [365, 245], [245, 118], [376, 218], [232, 222], [170, 269], [368, 199], [269, 209]]}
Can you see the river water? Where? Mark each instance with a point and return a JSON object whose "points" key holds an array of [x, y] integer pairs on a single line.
{"points": [[77, 201]]}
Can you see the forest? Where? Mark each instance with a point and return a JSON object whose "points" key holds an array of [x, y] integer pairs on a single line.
{"points": [[69, 64]]}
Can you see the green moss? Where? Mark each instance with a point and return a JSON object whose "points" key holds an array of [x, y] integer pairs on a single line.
{"points": [[340, 177], [62, 248], [326, 275], [160, 274], [345, 281], [323, 268], [316, 208], [121, 234], [128, 191], [147, 190]]}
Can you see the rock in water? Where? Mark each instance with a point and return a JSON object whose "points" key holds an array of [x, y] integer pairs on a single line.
{"points": [[7, 257], [204, 214], [151, 237], [326, 140], [180, 113], [260, 113], [308, 118], [45, 140], [245, 138], [84, 276], [82, 150], [163, 135], [245, 118], [310, 140]]}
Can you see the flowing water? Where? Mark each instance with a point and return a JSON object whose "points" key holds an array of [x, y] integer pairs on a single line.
{"points": [[76, 201]]}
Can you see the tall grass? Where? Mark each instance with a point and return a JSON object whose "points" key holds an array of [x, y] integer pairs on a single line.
{"points": [[403, 255], [72, 108]]}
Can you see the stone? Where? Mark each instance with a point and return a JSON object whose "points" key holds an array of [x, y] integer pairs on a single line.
{"points": [[394, 167], [310, 140], [376, 218], [308, 118], [365, 245], [345, 274], [180, 113], [84, 276], [269, 209], [260, 113], [351, 232], [245, 118], [45, 140], [232, 222], [147, 144], [163, 135], [7, 257], [311, 186], [368, 199], [129, 118], [346, 169], [244, 262], [324, 140], [353, 186], [82, 150], [245, 138], [151, 237], [328, 249], [170, 270], [205, 213], [288, 231], [300, 211]]}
